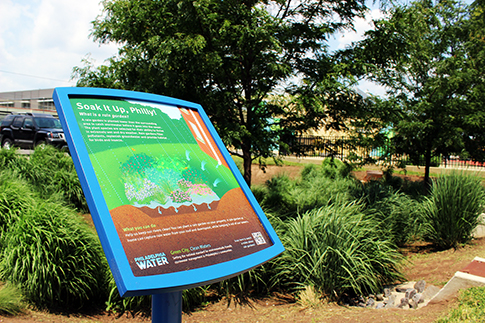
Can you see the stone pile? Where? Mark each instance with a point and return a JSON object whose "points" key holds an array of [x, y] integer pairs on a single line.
{"points": [[406, 296]]}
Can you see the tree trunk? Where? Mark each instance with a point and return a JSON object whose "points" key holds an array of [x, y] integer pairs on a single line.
{"points": [[247, 161], [427, 166]]}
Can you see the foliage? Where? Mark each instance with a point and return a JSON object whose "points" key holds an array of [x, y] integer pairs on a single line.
{"points": [[398, 213], [51, 173], [255, 283], [54, 256], [452, 210], [470, 309], [428, 55], [11, 300], [15, 198], [318, 186], [231, 57], [308, 297], [339, 251]]}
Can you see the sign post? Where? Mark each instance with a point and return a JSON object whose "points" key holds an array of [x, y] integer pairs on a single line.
{"points": [[167, 307], [170, 207]]}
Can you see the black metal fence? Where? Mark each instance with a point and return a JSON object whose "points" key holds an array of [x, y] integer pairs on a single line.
{"points": [[346, 149]]}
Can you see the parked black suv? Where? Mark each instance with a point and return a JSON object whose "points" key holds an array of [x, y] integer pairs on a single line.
{"points": [[30, 130]]}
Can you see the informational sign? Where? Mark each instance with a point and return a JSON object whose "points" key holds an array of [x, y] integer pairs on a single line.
{"points": [[169, 205]]}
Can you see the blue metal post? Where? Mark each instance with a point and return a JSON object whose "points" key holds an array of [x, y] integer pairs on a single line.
{"points": [[167, 307]]}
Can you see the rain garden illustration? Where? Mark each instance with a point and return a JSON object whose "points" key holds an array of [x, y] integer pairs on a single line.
{"points": [[155, 182], [173, 171]]}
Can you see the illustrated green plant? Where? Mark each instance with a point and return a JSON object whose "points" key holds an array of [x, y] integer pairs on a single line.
{"points": [[179, 196], [138, 164], [171, 163], [452, 211], [194, 176]]}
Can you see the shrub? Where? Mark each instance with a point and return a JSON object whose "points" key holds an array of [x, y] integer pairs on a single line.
{"points": [[254, 283], [451, 212], [398, 214], [15, 199], [55, 257], [49, 171], [337, 250], [286, 198], [11, 300], [333, 168], [52, 171]]}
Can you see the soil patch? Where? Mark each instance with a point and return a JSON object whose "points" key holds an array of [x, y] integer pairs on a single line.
{"points": [[259, 176]]}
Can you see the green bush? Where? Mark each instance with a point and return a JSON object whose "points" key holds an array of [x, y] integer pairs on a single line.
{"points": [[338, 250], [286, 197], [15, 199], [49, 171], [333, 168], [55, 257], [255, 283], [11, 300], [452, 211], [398, 213]]}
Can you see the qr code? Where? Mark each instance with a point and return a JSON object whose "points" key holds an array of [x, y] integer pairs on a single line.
{"points": [[258, 238]]}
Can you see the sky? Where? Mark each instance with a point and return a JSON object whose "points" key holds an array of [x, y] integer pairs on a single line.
{"points": [[42, 40]]}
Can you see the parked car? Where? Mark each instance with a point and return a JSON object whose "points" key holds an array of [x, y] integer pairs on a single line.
{"points": [[30, 130]]}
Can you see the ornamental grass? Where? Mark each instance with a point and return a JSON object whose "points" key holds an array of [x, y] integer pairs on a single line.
{"points": [[54, 257], [452, 210]]}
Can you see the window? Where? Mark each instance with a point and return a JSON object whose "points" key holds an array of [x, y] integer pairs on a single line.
{"points": [[17, 122], [28, 123]]}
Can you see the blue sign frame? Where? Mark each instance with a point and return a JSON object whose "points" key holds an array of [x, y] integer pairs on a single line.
{"points": [[127, 282]]}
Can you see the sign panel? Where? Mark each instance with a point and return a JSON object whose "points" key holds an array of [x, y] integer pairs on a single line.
{"points": [[170, 207]]}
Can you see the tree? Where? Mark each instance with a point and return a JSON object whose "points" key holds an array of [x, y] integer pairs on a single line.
{"points": [[422, 54], [227, 55]]}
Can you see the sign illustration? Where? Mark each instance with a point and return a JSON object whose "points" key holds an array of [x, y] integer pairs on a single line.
{"points": [[169, 205]]}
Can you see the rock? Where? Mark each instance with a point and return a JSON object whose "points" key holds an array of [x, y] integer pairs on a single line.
{"points": [[370, 302], [420, 286], [379, 306], [404, 302], [415, 300], [387, 292], [379, 297], [389, 302], [401, 289], [410, 292]]}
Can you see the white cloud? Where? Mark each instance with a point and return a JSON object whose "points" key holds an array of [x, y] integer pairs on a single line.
{"points": [[342, 40], [361, 25], [42, 40]]}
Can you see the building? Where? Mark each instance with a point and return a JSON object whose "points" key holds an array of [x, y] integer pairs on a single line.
{"points": [[35, 101]]}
